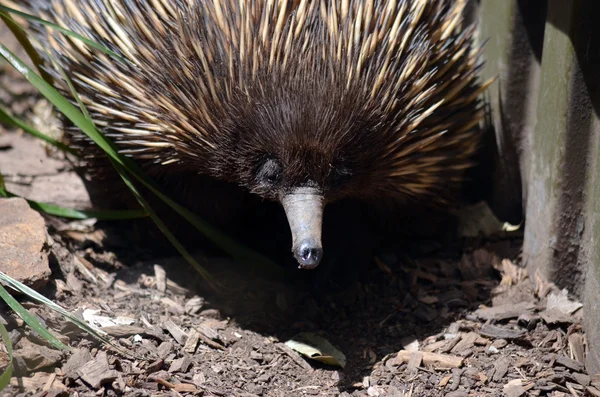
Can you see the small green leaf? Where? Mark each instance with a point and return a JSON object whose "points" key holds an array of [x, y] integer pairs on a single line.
{"points": [[317, 348], [7, 374]]}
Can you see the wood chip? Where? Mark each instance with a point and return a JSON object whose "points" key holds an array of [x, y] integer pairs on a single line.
{"points": [[178, 334], [194, 305], [505, 312], [492, 331], [428, 300], [32, 357], [192, 342], [164, 349], [514, 388], [572, 389], [123, 331], [582, 379], [500, 369], [437, 361], [161, 278], [294, 356], [445, 380], [435, 346], [97, 371], [410, 343], [576, 347], [569, 363], [414, 362], [76, 361], [210, 342], [174, 307], [466, 342], [451, 343], [22, 239], [593, 391], [180, 365], [185, 388], [208, 331], [555, 316], [39, 381], [50, 382]]}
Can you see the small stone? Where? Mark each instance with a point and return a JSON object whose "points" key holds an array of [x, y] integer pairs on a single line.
{"points": [[22, 240], [493, 350]]}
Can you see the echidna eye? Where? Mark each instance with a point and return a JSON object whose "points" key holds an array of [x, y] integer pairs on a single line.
{"points": [[270, 172], [339, 176]]}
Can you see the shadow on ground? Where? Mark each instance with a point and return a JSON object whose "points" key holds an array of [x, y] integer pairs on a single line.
{"points": [[390, 305]]}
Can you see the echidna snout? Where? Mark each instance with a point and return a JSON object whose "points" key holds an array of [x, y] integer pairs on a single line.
{"points": [[304, 210]]}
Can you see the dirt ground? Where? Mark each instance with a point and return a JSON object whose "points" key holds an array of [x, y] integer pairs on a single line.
{"points": [[435, 325]]}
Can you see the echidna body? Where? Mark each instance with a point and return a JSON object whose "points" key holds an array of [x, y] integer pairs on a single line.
{"points": [[301, 102]]}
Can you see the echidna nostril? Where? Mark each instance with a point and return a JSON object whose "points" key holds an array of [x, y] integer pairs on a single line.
{"points": [[308, 255]]}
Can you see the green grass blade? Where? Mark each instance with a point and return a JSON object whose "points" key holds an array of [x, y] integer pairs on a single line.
{"points": [[96, 333], [57, 99], [180, 248], [67, 32], [23, 40], [15, 122], [7, 374], [30, 319], [66, 78], [103, 215]]}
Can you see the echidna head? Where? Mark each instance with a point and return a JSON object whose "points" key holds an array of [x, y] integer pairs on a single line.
{"points": [[303, 180], [299, 145]]}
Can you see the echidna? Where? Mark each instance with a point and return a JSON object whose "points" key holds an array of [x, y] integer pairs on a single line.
{"points": [[296, 101]]}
